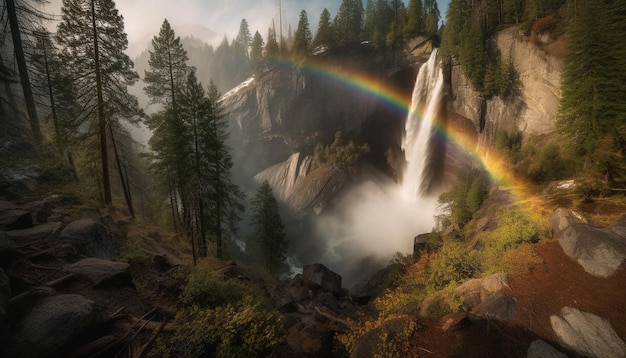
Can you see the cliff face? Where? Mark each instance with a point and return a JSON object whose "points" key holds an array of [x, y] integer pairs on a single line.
{"points": [[533, 106], [278, 117]]}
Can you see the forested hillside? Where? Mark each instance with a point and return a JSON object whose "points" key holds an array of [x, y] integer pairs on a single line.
{"points": [[198, 264]]}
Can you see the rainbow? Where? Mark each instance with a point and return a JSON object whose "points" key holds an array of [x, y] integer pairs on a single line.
{"points": [[493, 163]]}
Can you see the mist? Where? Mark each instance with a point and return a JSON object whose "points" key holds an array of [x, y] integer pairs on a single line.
{"points": [[370, 224]]}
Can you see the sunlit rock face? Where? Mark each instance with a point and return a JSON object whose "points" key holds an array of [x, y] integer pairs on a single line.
{"points": [[287, 111], [533, 107]]}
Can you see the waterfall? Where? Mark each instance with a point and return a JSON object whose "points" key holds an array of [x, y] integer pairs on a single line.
{"points": [[425, 103]]}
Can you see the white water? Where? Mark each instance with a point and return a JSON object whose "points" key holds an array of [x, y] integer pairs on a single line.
{"points": [[378, 218], [424, 102]]}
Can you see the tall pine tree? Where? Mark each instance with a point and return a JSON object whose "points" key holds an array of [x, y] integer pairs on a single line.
{"points": [[93, 39], [268, 241], [302, 41], [592, 114]]}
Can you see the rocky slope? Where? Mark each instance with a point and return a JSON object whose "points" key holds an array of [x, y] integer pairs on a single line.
{"points": [[531, 109]]}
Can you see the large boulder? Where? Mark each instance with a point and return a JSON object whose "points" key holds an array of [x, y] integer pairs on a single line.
{"points": [[8, 251], [541, 349], [87, 238], [498, 307], [51, 325], [587, 334], [474, 291], [600, 251], [100, 272], [318, 276]]}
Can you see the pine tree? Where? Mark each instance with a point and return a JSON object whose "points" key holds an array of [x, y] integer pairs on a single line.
{"points": [[271, 48], [168, 67], [94, 41], [256, 53], [268, 241], [324, 36], [224, 196], [415, 24], [592, 116], [16, 35], [302, 41], [348, 24], [431, 17], [244, 38]]}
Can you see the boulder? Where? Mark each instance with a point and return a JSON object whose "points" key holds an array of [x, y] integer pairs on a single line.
{"points": [[87, 238], [474, 291], [600, 251], [587, 334], [15, 219], [318, 276], [419, 244], [541, 349], [100, 272], [52, 324], [35, 231], [497, 307], [364, 292]]}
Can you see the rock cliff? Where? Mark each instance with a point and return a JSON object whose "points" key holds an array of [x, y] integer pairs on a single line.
{"points": [[531, 109]]}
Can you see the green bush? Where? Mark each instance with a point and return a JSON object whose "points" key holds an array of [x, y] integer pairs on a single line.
{"points": [[241, 329], [453, 264], [516, 226], [205, 288], [341, 153], [133, 253]]}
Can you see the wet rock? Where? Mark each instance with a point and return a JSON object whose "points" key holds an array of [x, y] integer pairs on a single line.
{"points": [[587, 334], [498, 307], [363, 293], [99, 272], [600, 251], [419, 245], [318, 276], [52, 324], [541, 349], [87, 238]]}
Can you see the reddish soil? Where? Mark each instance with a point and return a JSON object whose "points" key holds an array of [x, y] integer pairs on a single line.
{"points": [[548, 287]]}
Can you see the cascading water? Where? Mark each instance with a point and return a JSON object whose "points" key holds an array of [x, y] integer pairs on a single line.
{"points": [[424, 106], [379, 217]]}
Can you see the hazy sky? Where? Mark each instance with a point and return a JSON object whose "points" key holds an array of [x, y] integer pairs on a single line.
{"points": [[143, 18]]}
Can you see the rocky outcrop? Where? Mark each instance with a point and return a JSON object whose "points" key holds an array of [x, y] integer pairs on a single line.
{"points": [[587, 334], [533, 105], [498, 307], [100, 272], [318, 276], [475, 291], [52, 323], [600, 251], [87, 238]]}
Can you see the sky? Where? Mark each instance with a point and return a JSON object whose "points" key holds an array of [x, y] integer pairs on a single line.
{"points": [[143, 18]]}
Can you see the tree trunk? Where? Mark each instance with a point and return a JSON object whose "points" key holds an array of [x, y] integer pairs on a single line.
{"points": [[55, 119], [106, 182], [21, 65], [127, 198]]}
